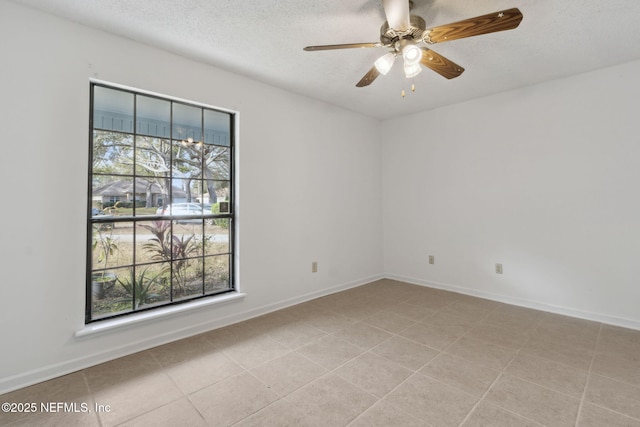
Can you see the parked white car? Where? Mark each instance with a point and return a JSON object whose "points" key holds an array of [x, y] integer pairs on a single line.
{"points": [[184, 209]]}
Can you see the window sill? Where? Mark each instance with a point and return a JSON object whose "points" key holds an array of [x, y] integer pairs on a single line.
{"points": [[120, 322]]}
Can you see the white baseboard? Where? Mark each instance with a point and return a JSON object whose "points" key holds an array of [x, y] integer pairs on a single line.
{"points": [[580, 314], [58, 369]]}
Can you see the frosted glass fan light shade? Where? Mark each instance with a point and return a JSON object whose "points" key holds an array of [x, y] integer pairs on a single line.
{"points": [[411, 54], [384, 63], [411, 70]]}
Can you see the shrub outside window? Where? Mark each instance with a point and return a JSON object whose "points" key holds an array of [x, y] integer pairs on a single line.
{"points": [[160, 219]]}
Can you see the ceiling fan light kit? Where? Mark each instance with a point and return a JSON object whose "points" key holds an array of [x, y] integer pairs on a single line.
{"points": [[410, 52], [385, 62], [406, 35], [411, 70]]}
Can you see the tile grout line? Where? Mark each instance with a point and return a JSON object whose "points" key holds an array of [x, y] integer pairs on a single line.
{"points": [[502, 373], [614, 411], [280, 398], [244, 371], [86, 383], [329, 371], [392, 335], [394, 389], [416, 372], [589, 373], [184, 395]]}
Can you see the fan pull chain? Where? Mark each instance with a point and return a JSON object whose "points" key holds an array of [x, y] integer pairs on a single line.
{"points": [[413, 89]]}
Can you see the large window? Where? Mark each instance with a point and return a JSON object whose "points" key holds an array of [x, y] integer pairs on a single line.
{"points": [[160, 221]]}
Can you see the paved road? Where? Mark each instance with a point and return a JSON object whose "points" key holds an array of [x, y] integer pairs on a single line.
{"points": [[217, 238]]}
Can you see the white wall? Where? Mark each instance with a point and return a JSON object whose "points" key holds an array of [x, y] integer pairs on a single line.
{"points": [[543, 180], [323, 163]]}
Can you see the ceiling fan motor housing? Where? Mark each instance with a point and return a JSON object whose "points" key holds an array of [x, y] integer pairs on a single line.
{"points": [[389, 36]]}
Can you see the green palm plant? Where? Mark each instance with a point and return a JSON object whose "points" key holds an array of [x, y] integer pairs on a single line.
{"points": [[139, 287]]}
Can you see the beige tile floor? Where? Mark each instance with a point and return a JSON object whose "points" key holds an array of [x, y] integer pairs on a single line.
{"points": [[383, 354]]}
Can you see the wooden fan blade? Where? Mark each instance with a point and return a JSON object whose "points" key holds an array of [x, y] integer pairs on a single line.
{"points": [[397, 13], [440, 64], [341, 46], [369, 77], [485, 24]]}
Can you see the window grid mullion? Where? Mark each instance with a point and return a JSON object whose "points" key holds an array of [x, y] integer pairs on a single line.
{"points": [[138, 266]]}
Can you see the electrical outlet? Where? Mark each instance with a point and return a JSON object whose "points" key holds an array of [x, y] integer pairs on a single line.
{"points": [[499, 268], [314, 267], [432, 259]]}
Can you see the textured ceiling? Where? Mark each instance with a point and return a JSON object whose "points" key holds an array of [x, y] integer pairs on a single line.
{"points": [[264, 40]]}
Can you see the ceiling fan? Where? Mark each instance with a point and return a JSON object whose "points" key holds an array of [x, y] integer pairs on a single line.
{"points": [[406, 35]]}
